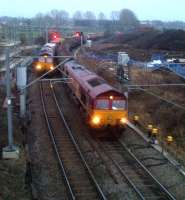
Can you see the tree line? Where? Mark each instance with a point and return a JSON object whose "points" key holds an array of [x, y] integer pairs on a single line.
{"points": [[119, 20]]}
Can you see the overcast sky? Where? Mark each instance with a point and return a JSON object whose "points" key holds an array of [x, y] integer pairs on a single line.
{"points": [[166, 10]]}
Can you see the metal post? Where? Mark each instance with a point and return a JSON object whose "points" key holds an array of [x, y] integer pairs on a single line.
{"points": [[14, 33], [29, 34], [9, 101], [46, 30], [22, 103], [81, 39]]}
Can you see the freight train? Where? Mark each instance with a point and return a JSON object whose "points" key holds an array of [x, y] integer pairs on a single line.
{"points": [[47, 60], [75, 41], [105, 107]]}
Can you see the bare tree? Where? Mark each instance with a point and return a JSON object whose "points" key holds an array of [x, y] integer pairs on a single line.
{"points": [[128, 19], [101, 16], [39, 19], [55, 16], [77, 15], [59, 17], [89, 15], [63, 16], [115, 15]]}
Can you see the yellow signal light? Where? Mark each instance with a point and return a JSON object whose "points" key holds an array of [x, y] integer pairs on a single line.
{"points": [[136, 117], [169, 139], [150, 126], [155, 131]]}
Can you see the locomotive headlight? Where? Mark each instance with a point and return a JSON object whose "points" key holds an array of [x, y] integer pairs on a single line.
{"points": [[123, 120], [96, 120], [38, 67], [51, 67]]}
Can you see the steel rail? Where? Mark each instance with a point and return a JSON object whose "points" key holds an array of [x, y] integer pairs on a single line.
{"points": [[163, 188], [99, 190], [136, 189], [155, 85], [70, 190], [39, 78]]}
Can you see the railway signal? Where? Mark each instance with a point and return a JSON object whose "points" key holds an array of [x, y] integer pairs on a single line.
{"points": [[80, 35], [149, 127], [11, 151], [169, 139], [136, 119], [155, 132]]}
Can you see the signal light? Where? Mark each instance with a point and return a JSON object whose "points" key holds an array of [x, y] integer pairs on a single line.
{"points": [[77, 34], [136, 118], [155, 131], [149, 127], [169, 139]]}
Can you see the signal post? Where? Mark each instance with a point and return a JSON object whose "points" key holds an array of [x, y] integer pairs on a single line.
{"points": [[10, 151]]}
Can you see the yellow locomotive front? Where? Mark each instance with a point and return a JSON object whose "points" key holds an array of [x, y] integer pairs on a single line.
{"points": [[109, 113], [44, 63]]}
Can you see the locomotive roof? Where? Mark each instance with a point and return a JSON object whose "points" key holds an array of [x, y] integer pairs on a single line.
{"points": [[91, 82], [47, 49], [102, 89], [44, 52], [79, 71], [50, 45]]}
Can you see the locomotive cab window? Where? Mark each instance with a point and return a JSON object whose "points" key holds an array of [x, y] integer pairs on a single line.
{"points": [[49, 60], [102, 104], [41, 59], [118, 104]]}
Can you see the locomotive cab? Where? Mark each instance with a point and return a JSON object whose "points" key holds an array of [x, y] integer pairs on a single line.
{"points": [[45, 61], [109, 110]]}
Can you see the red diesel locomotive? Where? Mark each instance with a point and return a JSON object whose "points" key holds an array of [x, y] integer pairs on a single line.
{"points": [[105, 107]]}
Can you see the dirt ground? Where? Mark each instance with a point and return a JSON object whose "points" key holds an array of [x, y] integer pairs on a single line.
{"points": [[13, 184]]}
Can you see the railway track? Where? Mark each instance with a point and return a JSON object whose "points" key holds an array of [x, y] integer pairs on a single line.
{"points": [[80, 182], [137, 175], [147, 185], [160, 164]]}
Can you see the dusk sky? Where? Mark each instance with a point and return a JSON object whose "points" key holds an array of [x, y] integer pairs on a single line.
{"points": [[166, 10]]}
